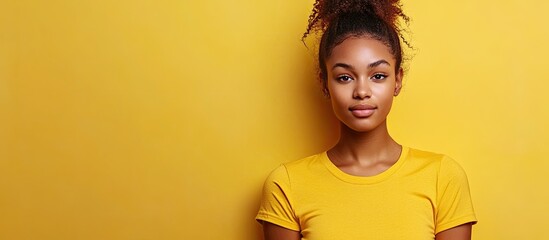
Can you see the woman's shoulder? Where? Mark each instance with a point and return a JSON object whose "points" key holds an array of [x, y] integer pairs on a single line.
{"points": [[441, 161], [430, 156], [305, 161], [425, 155], [308, 165], [298, 167]]}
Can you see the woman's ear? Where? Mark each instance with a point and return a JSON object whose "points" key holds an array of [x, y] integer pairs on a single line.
{"points": [[398, 81], [326, 92], [324, 84]]}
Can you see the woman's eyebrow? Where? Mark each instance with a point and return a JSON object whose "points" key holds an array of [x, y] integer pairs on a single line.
{"points": [[343, 65], [371, 65], [377, 63]]}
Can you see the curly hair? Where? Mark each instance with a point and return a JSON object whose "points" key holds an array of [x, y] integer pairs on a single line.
{"points": [[338, 20]]}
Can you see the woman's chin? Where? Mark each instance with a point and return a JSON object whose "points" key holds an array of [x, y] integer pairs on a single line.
{"points": [[361, 127]]}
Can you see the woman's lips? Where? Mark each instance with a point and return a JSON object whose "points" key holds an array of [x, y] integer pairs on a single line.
{"points": [[362, 110]]}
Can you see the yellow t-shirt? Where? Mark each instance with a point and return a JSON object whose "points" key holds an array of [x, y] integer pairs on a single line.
{"points": [[419, 196]]}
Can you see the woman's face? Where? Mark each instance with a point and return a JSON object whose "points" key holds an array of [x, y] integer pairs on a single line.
{"points": [[362, 82]]}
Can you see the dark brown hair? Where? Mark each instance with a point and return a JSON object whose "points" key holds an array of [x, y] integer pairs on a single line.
{"points": [[338, 20]]}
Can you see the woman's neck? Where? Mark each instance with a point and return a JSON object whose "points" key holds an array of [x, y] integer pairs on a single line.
{"points": [[365, 147]]}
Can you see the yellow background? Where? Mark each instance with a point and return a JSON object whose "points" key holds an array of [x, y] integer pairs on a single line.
{"points": [[161, 119]]}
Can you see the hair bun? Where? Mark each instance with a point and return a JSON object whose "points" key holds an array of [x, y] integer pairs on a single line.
{"points": [[326, 11]]}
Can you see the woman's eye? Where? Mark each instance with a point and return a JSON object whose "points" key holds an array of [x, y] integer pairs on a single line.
{"points": [[344, 78], [379, 76]]}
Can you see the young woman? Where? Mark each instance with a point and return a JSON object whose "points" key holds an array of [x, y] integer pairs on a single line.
{"points": [[367, 186]]}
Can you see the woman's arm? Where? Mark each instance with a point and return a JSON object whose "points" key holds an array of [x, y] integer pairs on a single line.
{"points": [[275, 232], [461, 232]]}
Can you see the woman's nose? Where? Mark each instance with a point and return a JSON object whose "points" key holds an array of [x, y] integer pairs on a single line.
{"points": [[362, 89]]}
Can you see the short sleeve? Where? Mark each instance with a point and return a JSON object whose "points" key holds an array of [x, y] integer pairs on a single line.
{"points": [[454, 204], [277, 204]]}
